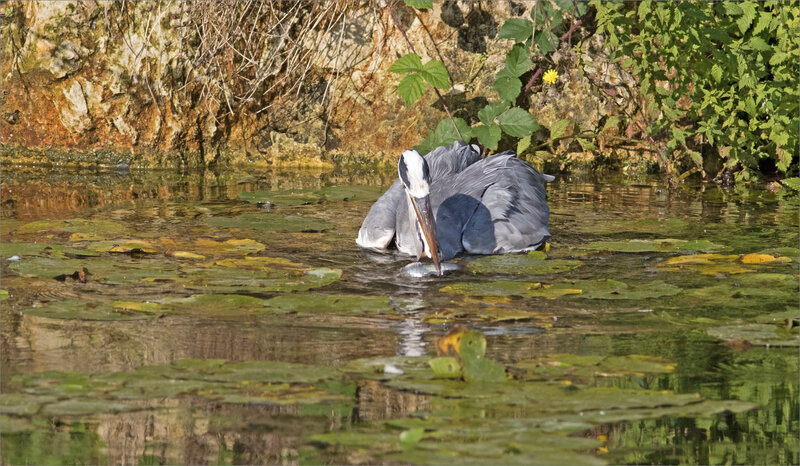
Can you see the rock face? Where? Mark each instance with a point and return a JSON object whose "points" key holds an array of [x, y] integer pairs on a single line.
{"points": [[271, 83]]}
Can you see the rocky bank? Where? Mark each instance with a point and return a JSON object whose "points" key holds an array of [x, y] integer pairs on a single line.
{"points": [[294, 83]]}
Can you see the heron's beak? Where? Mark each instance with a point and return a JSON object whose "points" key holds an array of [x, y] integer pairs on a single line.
{"points": [[422, 207]]}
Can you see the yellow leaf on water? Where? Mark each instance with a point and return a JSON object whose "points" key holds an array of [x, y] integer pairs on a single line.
{"points": [[187, 255], [698, 259], [450, 344], [755, 258], [137, 306]]}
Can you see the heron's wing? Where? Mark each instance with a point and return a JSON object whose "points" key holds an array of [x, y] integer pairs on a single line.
{"points": [[449, 160], [516, 212], [378, 227]]}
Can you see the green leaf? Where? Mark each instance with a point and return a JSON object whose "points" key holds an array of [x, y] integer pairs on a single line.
{"points": [[508, 87], [411, 88], [731, 8], [778, 58], [763, 22], [411, 437], [696, 157], [523, 144], [445, 134], [407, 64], [436, 74], [420, 4], [748, 15], [611, 123], [558, 128], [791, 183], [716, 72], [544, 42], [517, 61], [757, 43], [517, 29], [517, 122], [586, 145], [445, 368], [487, 136], [491, 111]]}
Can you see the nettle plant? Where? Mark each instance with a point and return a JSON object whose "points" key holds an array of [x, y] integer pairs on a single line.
{"points": [[534, 38], [721, 77]]}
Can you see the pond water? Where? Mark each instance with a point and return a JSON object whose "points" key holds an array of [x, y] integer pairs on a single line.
{"points": [[196, 318]]}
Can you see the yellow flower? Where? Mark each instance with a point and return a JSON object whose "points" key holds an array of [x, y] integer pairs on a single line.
{"points": [[550, 76]]}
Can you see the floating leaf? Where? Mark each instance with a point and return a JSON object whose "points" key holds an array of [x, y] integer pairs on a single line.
{"points": [[613, 289], [123, 246], [754, 258], [657, 245], [496, 288], [270, 222], [445, 368], [315, 196], [756, 334], [317, 303], [711, 264], [75, 225], [521, 264], [215, 304], [644, 225], [225, 280], [73, 309]]}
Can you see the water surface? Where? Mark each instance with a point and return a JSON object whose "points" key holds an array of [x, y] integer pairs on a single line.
{"points": [[164, 317]]}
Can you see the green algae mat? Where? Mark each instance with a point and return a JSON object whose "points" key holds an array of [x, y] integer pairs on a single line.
{"points": [[185, 319]]}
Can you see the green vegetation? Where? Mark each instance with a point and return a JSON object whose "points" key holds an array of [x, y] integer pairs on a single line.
{"points": [[718, 80]]}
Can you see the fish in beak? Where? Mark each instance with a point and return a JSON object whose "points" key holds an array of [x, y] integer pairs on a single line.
{"points": [[424, 213]]}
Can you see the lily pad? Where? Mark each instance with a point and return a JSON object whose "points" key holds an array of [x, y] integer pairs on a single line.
{"points": [[756, 334], [124, 246], [496, 288], [318, 303], [271, 222], [712, 264], [24, 250], [389, 367], [215, 304], [521, 264], [13, 425], [223, 280], [569, 366], [314, 196], [672, 226], [22, 404], [73, 309], [445, 368], [83, 407], [75, 225], [655, 245], [613, 289]]}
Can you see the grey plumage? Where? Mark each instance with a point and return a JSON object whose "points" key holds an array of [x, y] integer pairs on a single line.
{"points": [[378, 228], [495, 205]]}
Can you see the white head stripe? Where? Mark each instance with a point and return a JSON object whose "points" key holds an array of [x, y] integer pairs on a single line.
{"points": [[417, 184]]}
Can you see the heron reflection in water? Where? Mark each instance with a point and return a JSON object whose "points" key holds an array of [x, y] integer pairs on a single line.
{"points": [[453, 201]]}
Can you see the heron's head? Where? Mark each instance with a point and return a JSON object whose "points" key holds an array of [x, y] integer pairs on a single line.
{"points": [[416, 179]]}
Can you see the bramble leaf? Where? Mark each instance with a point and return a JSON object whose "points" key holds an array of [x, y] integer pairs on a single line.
{"points": [[436, 74], [517, 61], [517, 29], [411, 88], [517, 122], [407, 64]]}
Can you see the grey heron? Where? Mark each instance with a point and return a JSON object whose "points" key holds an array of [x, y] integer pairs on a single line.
{"points": [[452, 201]]}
